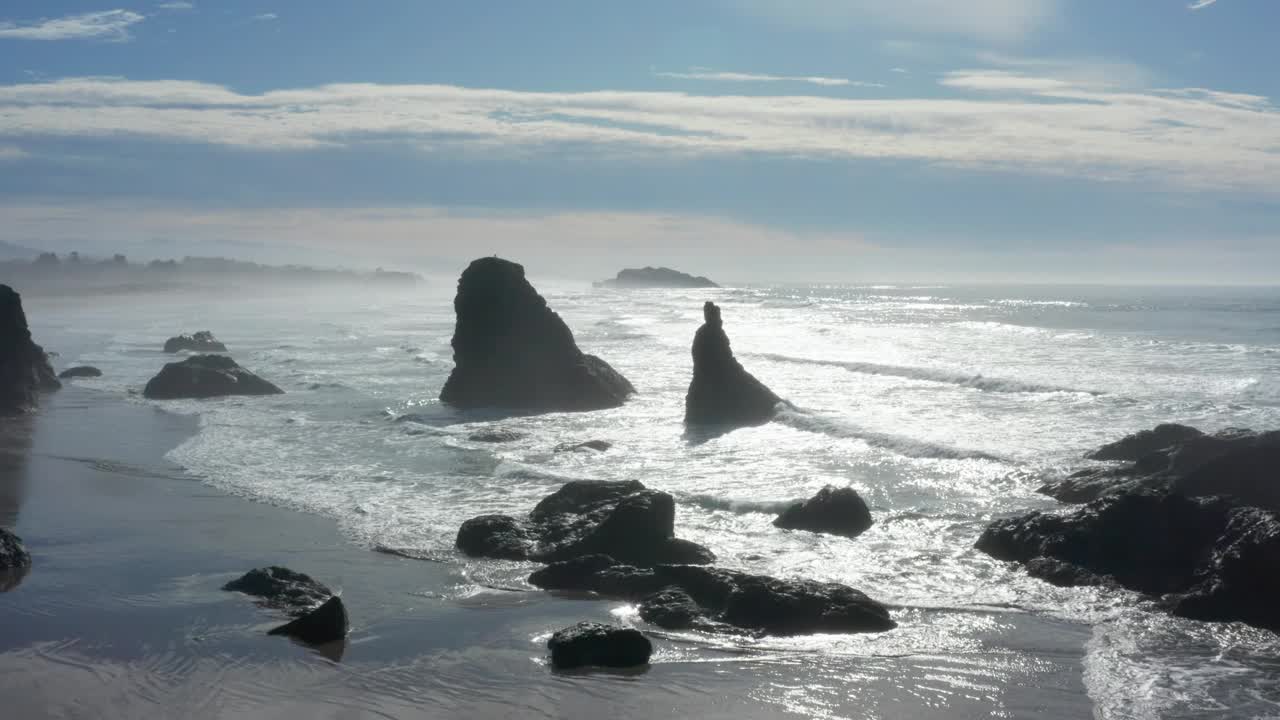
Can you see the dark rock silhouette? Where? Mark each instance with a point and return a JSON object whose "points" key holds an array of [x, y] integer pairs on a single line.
{"points": [[80, 371], [834, 511], [12, 553], [206, 376], [722, 393], [202, 342], [660, 277], [497, 436], [327, 623], [590, 644], [512, 351], [596, 445], [282, 589], [24, 366], [620, 518], [1140, 444], [690, 596], [1201, 558]]}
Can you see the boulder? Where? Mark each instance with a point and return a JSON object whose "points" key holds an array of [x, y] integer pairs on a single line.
{"points": [[12, 554], [834, 511], [692, 596], [206, 376], [327, 623], [1132, 448], [497, 436], [80, 371], [590, 644], [722, 392], [622, 519], [201, 342], [1205, 558], [512, 351], [24, 366], [282, 589], [660, 277], [596, 445]]}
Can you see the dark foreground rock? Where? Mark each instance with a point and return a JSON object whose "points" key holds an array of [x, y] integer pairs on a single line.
{"points": [[722, 392], [497, 436], [201, 342], [1241, 464], [834, 511], [206, 376], [12, 553], [512, 351], [282, 589], [1204, 558], [79, 372], [590, 644], [660, 277], [679, 597], [596, 445], [327, 623], [622, 519], [24, 366]]}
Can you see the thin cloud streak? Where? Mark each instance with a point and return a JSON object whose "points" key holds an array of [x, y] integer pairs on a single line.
{"points": [[1201, 4], [739, 77], [112, 25]]}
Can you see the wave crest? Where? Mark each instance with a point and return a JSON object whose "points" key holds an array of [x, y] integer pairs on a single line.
{"points": [[977, 382]]}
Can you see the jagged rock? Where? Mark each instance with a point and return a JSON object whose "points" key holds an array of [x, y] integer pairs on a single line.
{"points": [[1134, 447], [661, 277], [512, 351], [12, 553], [497, 436], [281, 588], [622, 519], [590, 644], [201, 342], [24, 366], [682, 596], [722, 393], [834, 511], [206, 376], [1202, 558], [327, 623], [81, 371], [597, 445]]}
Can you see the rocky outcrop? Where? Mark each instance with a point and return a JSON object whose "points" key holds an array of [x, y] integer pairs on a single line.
{"points": [[497, 436], [201, 342], [833, 511], [82, 371], [660, 277], [282, 589], [1201, 558], [12, 554], [722, 393], [622, 519], [206, 376], [24, 367], [680, 597], [590, 644], [512, 351], [327, 623], [596, 445], [1132, 448]]}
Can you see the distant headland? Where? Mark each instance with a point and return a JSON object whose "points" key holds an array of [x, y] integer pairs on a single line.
{"points": [[661, 277]]}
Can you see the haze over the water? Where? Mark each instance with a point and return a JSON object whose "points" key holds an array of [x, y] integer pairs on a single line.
{"points": [[815, 140]]}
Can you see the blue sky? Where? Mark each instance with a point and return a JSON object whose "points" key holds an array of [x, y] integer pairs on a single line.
{"points": [[988, 140]]}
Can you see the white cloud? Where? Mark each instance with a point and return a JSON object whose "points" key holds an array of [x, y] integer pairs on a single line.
{"points": [[1003, 120], [266, 16], [719, 76], [992, 20], [109, 24], [11, 152], [1200, 4], [177, 5]]}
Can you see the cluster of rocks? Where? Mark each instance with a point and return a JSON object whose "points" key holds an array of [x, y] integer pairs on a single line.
{"points": [[319, 616], [200, 342], [25, 371], [1188, 518]]}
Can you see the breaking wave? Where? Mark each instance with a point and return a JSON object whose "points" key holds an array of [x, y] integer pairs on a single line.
{"points": [[977, 382]]}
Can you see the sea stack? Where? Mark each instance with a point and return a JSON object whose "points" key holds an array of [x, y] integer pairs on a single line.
{"points": [[24, 366], [722, 392], [206, 376], [512, 351]]}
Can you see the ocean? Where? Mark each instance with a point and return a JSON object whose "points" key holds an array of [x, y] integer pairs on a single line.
{"points": [[944, 406]]}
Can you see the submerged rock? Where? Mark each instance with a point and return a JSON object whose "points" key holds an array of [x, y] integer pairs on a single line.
{"points": [[12, 553], [661, 277], [80, 371], [590, 644], [512, 351], [24, 366], [497, 436], [206, 376], [327, 623], [622, 519], [202, 342], [281, 588], [834, 511], [683, 596], [597, 445], [722, 392]]}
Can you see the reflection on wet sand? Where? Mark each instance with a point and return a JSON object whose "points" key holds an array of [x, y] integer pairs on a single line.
{"points": [[15, 451]]}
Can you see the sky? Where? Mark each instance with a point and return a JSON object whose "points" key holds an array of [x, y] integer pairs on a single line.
{"points": [[1075, 141]]}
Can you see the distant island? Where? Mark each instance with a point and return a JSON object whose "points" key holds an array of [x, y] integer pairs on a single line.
{"points": [[651, 277], [73, 274]]}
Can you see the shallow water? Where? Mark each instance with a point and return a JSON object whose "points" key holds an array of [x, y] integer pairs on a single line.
{"points": [[943, 406]]}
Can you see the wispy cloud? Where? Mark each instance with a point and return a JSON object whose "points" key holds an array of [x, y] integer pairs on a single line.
{"points": [[266, 16], [11, 152], [989, 20], [177, 5], [699, 73], [1201, 4], [110, 25], [1003, 120]]}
